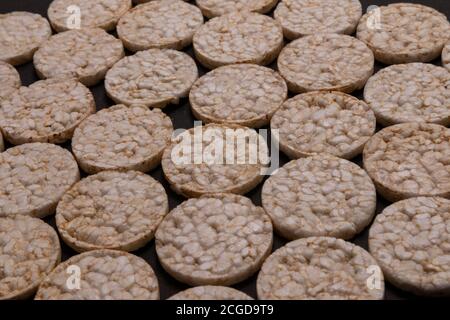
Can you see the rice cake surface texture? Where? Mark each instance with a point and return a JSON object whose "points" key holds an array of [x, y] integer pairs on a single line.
{"points": [[9, 80], [446, 56], [210, 293], [214, 8]]}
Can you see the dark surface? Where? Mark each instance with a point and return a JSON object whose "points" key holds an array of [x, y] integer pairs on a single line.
{"points": [[182, 117]]}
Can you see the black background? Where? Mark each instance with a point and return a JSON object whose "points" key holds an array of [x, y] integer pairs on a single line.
{"points": [[182, 117]]}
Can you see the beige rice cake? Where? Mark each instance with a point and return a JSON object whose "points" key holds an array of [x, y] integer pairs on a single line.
{"points": [[406, 33], [219, 239], [323, 122], [238, 37], [111, 210], [211, 293], [214, 8], [160, 24], [326, 62], [409, 160], [34, 177], [122, 138], [410, 240], [85, 54], [305, 17], [22, 34], [215, 158], [9, 80], [243, 94], [154, 78], [446, 56], [46, 111], [320, 268], [412, 92], [93, 13], [104, 275], [319, 196], [29, 250]]}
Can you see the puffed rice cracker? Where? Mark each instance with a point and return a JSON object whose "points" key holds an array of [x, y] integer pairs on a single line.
{"points": [[304, 17], [238, 37], [326, 62], [102, 14], [413, 92], [153, 78], [22, 34], [86, 54], [320, 268], [29, 250], [34, 177], [323, 122], [111, 210], [160, 24], [122, 138], [47, 111], [409, 160], [411, 239], [105, 275], [219, 239], [196, 178], [242, 94], [214, 8], [9, 80], [210, 293], [319, 196], [406, 33]]}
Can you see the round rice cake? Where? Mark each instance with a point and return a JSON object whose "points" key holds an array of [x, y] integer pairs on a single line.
{"points": [[154, 78], [86, 54], [407, 33], [105, 275], [305, 17], [231, 159], [29, 250], [446, 56], [34, 177], [22, 34], [238, 37], [319, 196], [319, 268], [323, 122], [111, 210], [122, 138], [409, 160], [243, 94], [410, 240], [102, 14], [214, 8], [9, 80], [46, 111], [326, 62], [219, 239], [160, 24], [211, 293], [413, 92]]}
